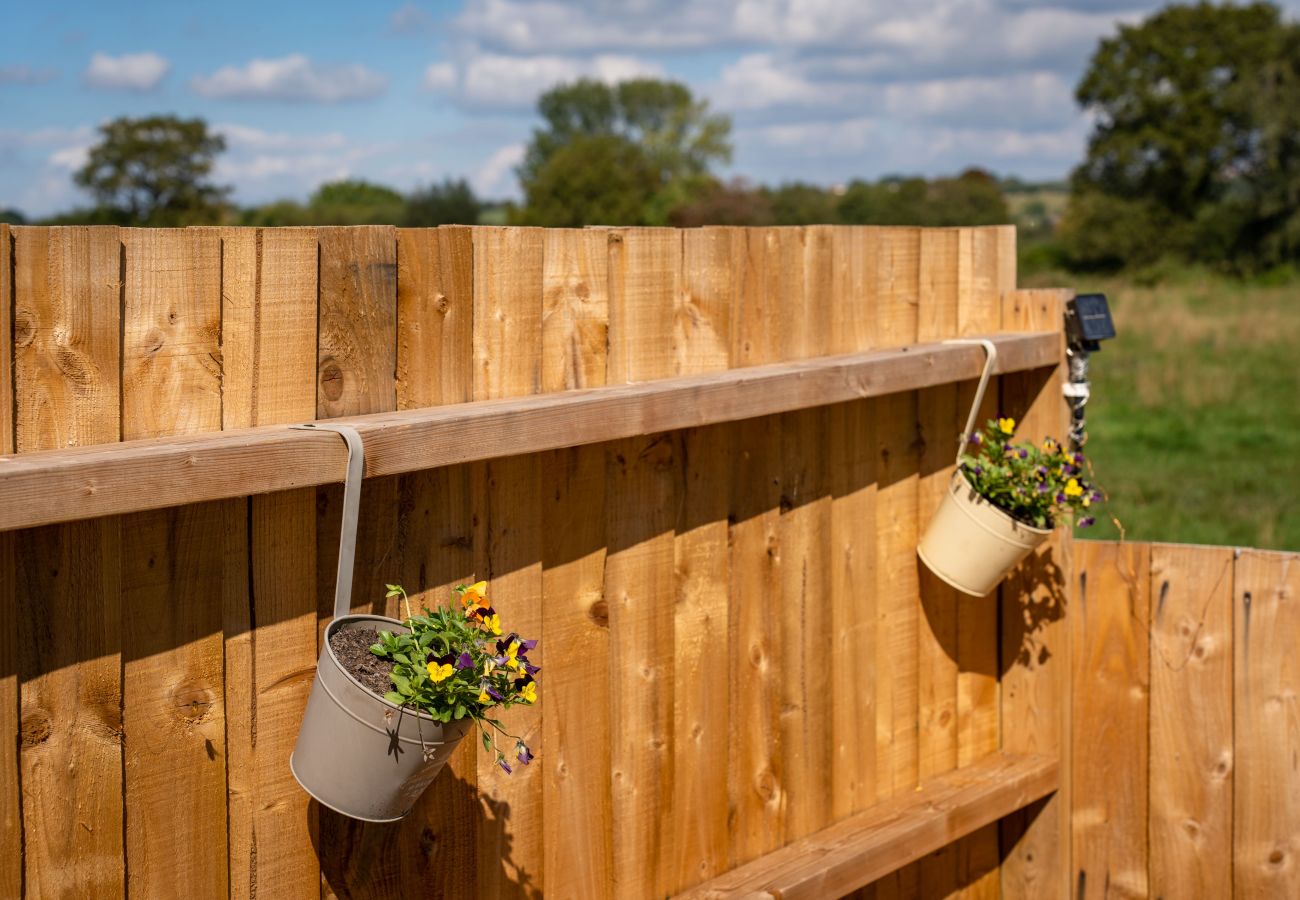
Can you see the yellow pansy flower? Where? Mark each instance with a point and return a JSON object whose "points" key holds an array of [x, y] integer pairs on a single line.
{"points": [[529, 693], [1072, 488], [439, 671], [475, 595], [488, 665], [492, 623], [483, 697], [512, 653], [1007, 426], [1049, 446], [1087, 501]]}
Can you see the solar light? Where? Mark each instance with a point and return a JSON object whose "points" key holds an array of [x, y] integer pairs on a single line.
{"points": [[1087, 324]]}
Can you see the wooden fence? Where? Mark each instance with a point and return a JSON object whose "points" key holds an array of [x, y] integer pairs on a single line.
{"points": [[1185, 724], [738, 646]]}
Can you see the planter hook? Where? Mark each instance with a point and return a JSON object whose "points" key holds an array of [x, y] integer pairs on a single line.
{"points": [[990, 359], [351, 507]]}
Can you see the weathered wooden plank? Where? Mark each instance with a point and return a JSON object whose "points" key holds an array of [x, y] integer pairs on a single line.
{"points": [[706, 300], [1110, 655], [268, 340], [939, 421], [173, 702], [1035, 642], [979, 311], [171, 357], [641, 500], [134, 476], [508, 293], [356, 350], [577, 786], [701, 558], [1266, 792], [1191, 719], [854, 258], [67, 358], [756, 787], [873, 843], [435, 316], [575, 309], [11, 825]]}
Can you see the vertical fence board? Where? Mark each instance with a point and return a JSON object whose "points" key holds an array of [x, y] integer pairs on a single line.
{"points": [[437, 845], [1191, 720], [1109, 785], [1266, 796], [644, 271], [852, 315], [269, 340], [435, 316], [576, 790], [508, 295], [356, 365], [702, 330], [11, 825], [67, 360], [575, 309], [939, 421], [756, 782], [1035, 655], [173, 699]]}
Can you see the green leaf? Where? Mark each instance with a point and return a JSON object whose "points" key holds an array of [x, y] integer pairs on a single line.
{"points": [[460, 710], [394, 697], [379, 649], [487, 741], [401, 682]]}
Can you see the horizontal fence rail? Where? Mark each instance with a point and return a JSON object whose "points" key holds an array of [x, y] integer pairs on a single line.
{"points": [[43, 488]]}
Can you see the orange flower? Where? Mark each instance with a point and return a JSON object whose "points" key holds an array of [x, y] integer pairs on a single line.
{"points": [[475, 595]]}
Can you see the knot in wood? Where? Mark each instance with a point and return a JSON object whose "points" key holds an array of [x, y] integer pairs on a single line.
{"points": [[35, 728], [191, 702], [598, 612], [331, 381]]}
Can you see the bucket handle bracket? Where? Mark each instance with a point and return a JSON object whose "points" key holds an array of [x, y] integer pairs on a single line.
{"points": [[990, 360], [351, 509]]}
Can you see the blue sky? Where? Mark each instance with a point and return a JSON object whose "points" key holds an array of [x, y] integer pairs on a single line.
{"points": [[409, 92]]}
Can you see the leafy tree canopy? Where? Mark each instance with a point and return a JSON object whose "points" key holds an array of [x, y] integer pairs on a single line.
{"points": [[594, 180], [677, 140], [450, 203], [1195, 143], [972, 198], [155, 171]]}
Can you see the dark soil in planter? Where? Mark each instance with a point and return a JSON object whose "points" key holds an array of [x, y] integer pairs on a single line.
{"points": [[352, 647]]}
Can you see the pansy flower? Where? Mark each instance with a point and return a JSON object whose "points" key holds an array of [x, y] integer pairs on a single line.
{"points": [[439, 667], [525, 755], [475, 595], [1007, 425]]}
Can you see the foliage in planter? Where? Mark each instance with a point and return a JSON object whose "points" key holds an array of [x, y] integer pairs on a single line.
{"points": [[1036, 485], [454, 664]]}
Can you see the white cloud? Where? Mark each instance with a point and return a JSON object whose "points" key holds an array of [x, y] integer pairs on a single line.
{"points": [[495, 81], [129, 72], [293, 78], [19, 73], [410, 20], [495, 178], [759, 81]]}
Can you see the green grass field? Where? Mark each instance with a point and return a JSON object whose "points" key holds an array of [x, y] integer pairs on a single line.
{"points": [[1194, 423]]}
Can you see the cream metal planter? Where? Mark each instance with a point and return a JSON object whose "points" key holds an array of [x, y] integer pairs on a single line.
{"points": [[357, 753], [971, 544]]}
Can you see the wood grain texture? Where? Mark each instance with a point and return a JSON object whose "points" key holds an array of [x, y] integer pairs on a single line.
{"points": [[134, 476], [1035, 641], [575, 309], [641, 501], [854, 259], [1111, 656], [173, 702], [939, 421], [702, 316], [171, 332], [508, 293], [435, 316], [67, 341], [702, 328], [1191, 755], [269, 321], [357, 348], [1266, 793], [67, 358], [11, 825], [756, 786], [866, 846]]}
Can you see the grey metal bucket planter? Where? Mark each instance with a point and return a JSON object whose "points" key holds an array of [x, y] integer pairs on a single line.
{"points": [[357, 753]]}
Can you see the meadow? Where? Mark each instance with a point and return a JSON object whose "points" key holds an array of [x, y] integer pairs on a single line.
{"points": [[1194, 422]]}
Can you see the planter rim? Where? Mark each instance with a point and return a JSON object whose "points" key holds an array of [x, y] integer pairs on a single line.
{"points": [[959, 476], [359, 617]]}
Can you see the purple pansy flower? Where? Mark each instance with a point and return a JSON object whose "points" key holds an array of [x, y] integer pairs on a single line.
{"points": [[465, 661], [525, 646], [1043, 488], [1022, 453], [1086, 521], [525, 755], [977, 438], [501, 761], [492, 692], [532, 669], [1060, 497]]}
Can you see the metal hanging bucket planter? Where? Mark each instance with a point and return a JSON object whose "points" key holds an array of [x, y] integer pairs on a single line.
{"points": [[970, 543], [357, 753]]}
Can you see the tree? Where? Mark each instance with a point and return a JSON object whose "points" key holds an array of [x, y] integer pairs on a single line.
{"points": [[155, 171], [450, 203], [353, 201], [676, 136], [1194, 139], [733, 203], [803, 204], [599, 179], [972, 198]]}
